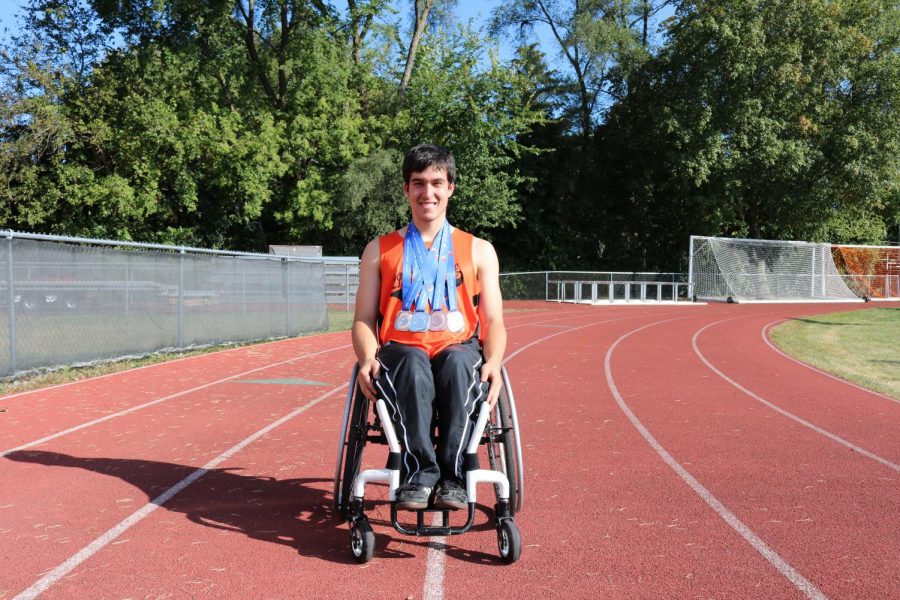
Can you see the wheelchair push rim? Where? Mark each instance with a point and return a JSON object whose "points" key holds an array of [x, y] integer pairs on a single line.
{"points": [[503, 445], [350, 445]]}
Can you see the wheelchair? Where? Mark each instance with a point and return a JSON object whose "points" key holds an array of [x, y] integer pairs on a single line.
{"points": [[496, 429]]}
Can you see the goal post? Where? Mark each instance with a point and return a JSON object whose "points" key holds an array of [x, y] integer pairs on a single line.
{"points": [[745, 270]]}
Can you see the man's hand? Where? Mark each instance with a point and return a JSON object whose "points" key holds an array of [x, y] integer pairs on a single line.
{"points": [[368, 373], [491, 372]]}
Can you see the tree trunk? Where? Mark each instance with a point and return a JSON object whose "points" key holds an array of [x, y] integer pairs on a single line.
{"points": [[250, 41], [645, 17], [359, 26], [421, 19]]}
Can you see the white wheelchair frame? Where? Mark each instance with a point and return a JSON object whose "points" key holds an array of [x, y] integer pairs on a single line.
{"points": [[497, 428]]}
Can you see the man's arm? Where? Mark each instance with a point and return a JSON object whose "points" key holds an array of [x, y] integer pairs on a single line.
{"points": [[365, 338], [490, 312]]}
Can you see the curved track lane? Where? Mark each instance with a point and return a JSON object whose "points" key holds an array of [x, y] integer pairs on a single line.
{"points": [[603, 394], [823, 515]]}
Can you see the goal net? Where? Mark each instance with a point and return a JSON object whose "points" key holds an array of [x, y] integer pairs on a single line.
{"points": [[871, 271], [742, 270]]}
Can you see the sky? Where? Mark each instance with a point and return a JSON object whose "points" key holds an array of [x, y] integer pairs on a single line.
{"points": [[475, 9], [8, 20]]}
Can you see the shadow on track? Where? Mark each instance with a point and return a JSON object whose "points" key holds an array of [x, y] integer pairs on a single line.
{"points": [[297, 513], [292, 512]]}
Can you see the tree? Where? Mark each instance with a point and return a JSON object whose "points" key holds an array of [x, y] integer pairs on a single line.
{"points": [[421, 8], [770, 119], [454, 99], [42, 71], [594, 37]]}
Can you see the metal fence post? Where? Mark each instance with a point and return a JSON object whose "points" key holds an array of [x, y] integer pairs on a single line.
{"points": [[347, 286], [181, 298], [244, 287], [12, 307], [284, 293], [690, 281], [127, 275], [287, 297]]}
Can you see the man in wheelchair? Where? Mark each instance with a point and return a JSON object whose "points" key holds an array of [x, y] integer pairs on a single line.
{"points": [[428, 332]]}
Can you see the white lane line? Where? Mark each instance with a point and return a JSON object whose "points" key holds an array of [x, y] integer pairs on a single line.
{"points": [[433, 588], [163, 399], [765, 337], [784, 412], [434, 566], [88, 551], [800, 582]]}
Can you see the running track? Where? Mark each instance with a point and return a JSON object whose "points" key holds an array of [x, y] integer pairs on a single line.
{"points": [[670, 452]]}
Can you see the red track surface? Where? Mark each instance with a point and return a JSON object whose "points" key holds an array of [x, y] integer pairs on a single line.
{"points": [[670, 452]]}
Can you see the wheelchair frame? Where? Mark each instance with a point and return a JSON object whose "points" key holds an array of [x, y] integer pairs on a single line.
{"points": [[497, 429]]}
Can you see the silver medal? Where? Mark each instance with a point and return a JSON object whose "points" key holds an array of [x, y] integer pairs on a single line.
{"points": [[403, 319], [419, 321], [438, 321], [455, 321]]}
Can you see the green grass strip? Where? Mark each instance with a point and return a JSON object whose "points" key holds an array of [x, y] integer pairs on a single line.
{"points": [[862, 346]]}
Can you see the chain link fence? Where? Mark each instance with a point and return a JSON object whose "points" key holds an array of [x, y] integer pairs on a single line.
{"points": [[341, 281], [67, 301]]}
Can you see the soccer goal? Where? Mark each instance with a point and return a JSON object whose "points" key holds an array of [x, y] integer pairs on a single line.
{"points": [[743, 270]]}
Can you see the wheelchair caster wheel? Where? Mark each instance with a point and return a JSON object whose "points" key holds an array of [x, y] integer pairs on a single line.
{"points": [[509, 542], [362, 541]]}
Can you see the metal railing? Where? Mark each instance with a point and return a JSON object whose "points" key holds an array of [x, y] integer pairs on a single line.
{"points": [[594, 286], [341, 281]]}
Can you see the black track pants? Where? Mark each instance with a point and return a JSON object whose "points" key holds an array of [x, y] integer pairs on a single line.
{"points": [[421, 393]]}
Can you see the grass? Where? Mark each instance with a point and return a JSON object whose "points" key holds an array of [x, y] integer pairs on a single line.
{"points": [[337, 321], [862, 346]]}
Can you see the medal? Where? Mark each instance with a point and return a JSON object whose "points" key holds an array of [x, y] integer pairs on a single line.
{"points": [[403, 319], [419, 321], [455, 321], [429, 280], [438, 321]]}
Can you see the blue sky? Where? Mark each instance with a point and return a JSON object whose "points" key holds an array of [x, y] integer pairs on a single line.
{"points": [[476, 9], [8, 10]]}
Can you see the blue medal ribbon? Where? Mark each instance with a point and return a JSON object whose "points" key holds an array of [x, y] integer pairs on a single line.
{"points": [[412, 282], [450, 276], [428, 274]]}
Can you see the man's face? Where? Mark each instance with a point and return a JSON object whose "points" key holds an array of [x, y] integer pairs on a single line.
{"points": [[428, 192]]}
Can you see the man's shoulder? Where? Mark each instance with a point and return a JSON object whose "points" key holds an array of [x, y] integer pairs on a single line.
{"points": [[481, 244], [383, 244]]}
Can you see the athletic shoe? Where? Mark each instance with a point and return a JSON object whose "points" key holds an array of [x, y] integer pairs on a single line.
{"points": [[451, 495], [413, 496]]}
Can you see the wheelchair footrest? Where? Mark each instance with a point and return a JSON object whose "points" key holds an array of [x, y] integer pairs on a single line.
{"points": [[430, 530]]}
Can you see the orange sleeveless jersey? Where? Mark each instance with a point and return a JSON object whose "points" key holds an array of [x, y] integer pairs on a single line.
{"points": [[467, 290]]}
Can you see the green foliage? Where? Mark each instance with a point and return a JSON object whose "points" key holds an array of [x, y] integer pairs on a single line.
{"points": [[477, 112], [230, 123], [763, 119], [213, 124]]}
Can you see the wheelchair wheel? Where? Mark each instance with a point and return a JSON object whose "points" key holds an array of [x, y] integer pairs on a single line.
{"points": [[362, 541], [509, 542], [352, 444], [342, 441], [504, 446], [501, 448]]}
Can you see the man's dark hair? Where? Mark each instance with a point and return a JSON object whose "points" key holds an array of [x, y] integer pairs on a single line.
{"points": [[428, 155]]}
